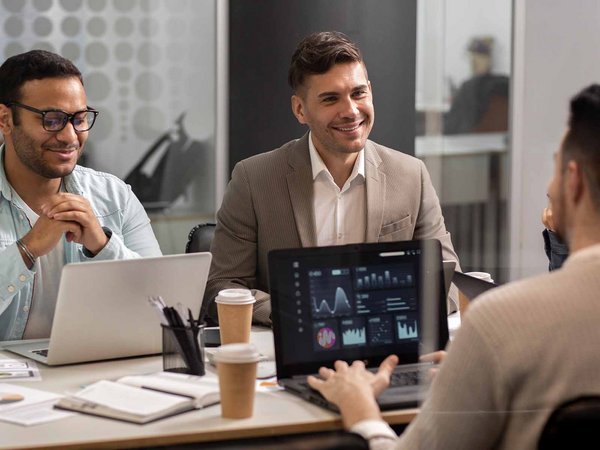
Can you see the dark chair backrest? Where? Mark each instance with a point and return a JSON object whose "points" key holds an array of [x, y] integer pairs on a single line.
{"points": [[200, 238], [572, 424]]}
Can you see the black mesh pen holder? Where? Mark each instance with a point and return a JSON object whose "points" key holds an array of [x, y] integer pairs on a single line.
{"points": [[183, 349]]}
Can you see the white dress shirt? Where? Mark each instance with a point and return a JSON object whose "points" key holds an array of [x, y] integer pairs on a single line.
{"points": [[340, 214]]}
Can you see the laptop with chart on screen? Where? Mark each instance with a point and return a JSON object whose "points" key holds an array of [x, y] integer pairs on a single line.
{"points": [[359, 301]]}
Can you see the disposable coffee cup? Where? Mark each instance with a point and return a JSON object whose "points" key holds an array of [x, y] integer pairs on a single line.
{"points": [[463, 300], [236, 366], [234, 307]]}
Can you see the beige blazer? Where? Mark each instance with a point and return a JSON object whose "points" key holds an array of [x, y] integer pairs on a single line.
{"points": [[268, 205]]}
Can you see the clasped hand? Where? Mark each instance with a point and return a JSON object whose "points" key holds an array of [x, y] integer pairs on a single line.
{"points": [[68, 214]]}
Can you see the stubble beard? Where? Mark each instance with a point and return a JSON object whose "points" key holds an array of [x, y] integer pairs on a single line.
{"points": [[25, 148]]}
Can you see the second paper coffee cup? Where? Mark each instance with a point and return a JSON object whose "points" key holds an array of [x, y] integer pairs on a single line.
{"points": [[236, 365], [235, 307]]}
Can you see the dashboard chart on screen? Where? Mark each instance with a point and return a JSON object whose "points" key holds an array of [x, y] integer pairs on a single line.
{"points": [[352, 301]]}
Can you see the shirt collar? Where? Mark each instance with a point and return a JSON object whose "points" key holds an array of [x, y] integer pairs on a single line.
{"points": [[5, 189], [319, 166]]}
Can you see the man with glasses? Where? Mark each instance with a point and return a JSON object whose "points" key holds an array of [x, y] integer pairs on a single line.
{"points": [[52, 211]]}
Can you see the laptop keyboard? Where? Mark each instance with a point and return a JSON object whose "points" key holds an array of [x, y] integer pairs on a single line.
{"points": [[406, 378], [401, 376], [41, 352]]}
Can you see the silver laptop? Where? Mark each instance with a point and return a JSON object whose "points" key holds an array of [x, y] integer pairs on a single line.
{"points": [[102, 311]]}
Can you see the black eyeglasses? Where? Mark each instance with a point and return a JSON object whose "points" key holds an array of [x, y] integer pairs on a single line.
{"points": [[56, 120]]}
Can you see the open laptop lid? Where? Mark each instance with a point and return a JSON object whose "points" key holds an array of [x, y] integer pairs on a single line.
{"points": [[102, 311], [358, 301]]}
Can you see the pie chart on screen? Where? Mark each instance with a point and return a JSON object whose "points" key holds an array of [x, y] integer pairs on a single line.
{"points": [[8, 397]]}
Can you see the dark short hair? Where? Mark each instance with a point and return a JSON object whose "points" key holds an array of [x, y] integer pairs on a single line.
{"points": [[582, 140], [318, 52], [32, 65]]}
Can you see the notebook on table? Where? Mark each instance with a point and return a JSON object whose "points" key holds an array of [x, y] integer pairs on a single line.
{"points": [[102, 311], [359, 301]]}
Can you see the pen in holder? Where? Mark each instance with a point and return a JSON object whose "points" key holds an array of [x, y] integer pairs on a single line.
{"points": [[183, 349]]}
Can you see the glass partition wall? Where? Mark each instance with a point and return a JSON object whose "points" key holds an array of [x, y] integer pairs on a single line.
{"points": [[462, 98], [149, 68]]}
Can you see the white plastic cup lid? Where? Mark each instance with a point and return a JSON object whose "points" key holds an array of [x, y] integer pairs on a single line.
{"points": [[237, 354], [235, 297], [481, 275]]}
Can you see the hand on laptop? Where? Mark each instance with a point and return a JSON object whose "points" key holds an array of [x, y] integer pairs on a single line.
{"points": [[73, 208], [353, 388], [436, 358]]}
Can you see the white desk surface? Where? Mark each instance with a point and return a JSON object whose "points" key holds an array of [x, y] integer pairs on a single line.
{"points": [[81, 430]]}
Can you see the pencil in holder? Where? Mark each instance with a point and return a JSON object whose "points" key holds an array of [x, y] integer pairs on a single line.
{"points": [[183, 349]]}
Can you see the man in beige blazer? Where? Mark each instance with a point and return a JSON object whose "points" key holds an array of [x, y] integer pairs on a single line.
{"points": [[330, 187]]}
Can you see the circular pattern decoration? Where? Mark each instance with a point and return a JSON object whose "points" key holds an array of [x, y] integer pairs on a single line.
{"points": [[96, 26], [123, 91], [123, 105], [175, 52], [43, 46], [42, 5], [124, 5], [97, 87], [176, 27], [70, 26], [96, 54], [174, 73], [149, 27], [124, 51], [71, 5], [149, 5], [71, 51], [13, 6], [42, 26], [124, 74], [12, 49], [148, 86], [148, 122], [103, 126], [149, 54], [124, 26], [97, 5], [13, 26]]}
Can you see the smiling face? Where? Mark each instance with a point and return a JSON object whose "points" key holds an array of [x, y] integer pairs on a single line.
{"points": [[337, 106], [46, 154]]}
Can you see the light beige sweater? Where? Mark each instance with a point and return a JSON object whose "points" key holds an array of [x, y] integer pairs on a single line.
{"points": [[522, 349]]}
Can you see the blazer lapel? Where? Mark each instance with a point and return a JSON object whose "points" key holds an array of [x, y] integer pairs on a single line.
{"points": [[375, 180], [300, 187]]}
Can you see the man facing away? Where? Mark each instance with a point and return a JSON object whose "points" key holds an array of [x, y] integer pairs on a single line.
{"points": [[53, 212], [522, 349], [332, 186]]}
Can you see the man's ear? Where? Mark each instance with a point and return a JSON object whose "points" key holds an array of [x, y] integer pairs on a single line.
{"points": [[298, 108], [6, 122], [575, 181]]}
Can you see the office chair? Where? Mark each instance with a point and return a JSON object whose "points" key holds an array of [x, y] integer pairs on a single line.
{"points": [[572, 424], [200, 237]]}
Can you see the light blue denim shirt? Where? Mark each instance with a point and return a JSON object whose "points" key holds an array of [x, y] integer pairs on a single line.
{"points": [[116, 207]]}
